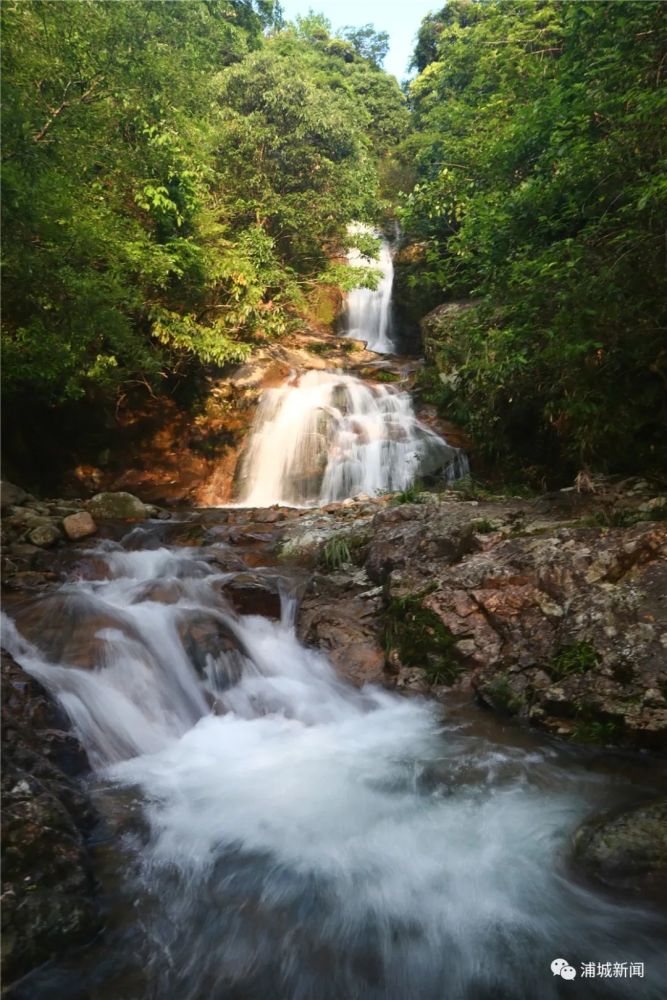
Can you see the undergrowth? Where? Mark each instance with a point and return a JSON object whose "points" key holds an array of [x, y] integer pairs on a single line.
{"points": [[420, 638]]}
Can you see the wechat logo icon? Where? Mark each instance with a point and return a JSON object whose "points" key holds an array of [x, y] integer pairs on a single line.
{"points": [[561, 967]]}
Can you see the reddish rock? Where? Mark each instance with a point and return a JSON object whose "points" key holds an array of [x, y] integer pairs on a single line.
{"points": [[79, 525]]}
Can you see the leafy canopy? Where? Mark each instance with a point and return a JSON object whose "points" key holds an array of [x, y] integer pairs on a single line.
{"points": [[541, 193]]}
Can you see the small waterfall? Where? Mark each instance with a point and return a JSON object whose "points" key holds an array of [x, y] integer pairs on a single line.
{"points": [[330, 436], [368, 312]]}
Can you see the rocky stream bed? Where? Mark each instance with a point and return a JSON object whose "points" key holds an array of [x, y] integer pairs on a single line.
{"points": [[550, 612]]}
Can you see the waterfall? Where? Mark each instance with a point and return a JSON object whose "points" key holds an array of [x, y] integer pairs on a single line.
{"points": [[367, 313], [328, 436]]}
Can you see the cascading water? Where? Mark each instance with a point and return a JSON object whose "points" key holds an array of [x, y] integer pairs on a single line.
{"points": [[288, 836], [329, 436], [367, 313], [304, 838]]}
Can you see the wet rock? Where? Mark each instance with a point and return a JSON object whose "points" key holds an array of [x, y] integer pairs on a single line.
{"points": [[254, 594], [119, 506], [71, 629], [11, 494], [340, 614], [628, 851], [27, 580], [23, 550], [44, 535], [48, 898], [79, 525], [212, 648]]}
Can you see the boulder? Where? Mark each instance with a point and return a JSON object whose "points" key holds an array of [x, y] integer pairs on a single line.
{"points": [[627, 851], [212, 648], [340, 614], [45, 535], [118, 506], [79, 525], [254, 594], [48, 893], [438, 326], [563, 624], [11, 494]]}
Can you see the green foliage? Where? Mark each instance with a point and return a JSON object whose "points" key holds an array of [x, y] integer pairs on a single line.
{"points": [[614, 518], [578, 658], [344, 549], [368, 43], [597, 732], [175, 181], [541, 192], [420, 638], [411, 494], [623, 517], [502, 696], [336, 553], [483, 526]]}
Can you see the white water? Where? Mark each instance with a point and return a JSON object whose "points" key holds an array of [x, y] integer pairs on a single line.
{"points": [[311, 840], [327, 436], [368, 311]]}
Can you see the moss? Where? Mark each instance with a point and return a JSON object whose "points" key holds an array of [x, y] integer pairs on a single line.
{"points": [[420, 638], [321, 347], [384, 376]]}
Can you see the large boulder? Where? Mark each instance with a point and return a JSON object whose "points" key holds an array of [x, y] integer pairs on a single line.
{"points": [[254, 594], [346, 627], [438, 326], [48, 893], [627, 851], [11, 494], [117, 506], [561, 623]]}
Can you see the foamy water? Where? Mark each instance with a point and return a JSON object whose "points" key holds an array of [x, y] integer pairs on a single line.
{"points": [[328, 436], [306, 838]]}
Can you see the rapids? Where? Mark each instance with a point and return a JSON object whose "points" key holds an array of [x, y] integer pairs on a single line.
{"points": [[286, 836]]}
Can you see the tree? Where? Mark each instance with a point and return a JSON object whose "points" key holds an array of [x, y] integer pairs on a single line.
{"points": [[368, 43], [541, 193]]}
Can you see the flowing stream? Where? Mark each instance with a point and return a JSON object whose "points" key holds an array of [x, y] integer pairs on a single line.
{"points": [[273, 833], [284, 835]]}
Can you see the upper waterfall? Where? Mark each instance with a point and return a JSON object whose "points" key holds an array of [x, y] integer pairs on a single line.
{"points": [[367, 313]]}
